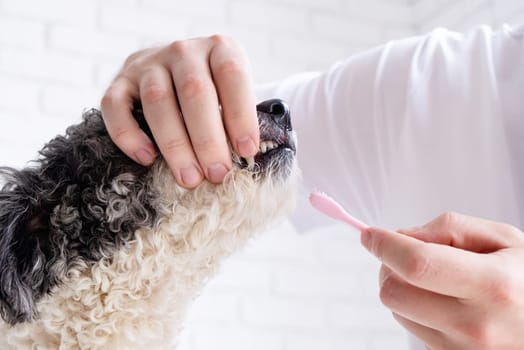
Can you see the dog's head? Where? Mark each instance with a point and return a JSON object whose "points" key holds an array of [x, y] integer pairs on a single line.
{"points": [[84, 199], [254, 194]]}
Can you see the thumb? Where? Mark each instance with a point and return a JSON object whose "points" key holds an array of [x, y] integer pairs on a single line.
{"points": [[468, 233]]}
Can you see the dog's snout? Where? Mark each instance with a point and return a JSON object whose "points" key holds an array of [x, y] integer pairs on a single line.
{"points": [[278, 110]]}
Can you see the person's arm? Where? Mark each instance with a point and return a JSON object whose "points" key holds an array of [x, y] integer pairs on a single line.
{"points": [[414, 128]]}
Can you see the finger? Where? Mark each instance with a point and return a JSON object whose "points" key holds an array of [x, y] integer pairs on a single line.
{"points": [[432, 338], [424, 307], [231, 74], [438, 268], [467, 232], [200, 109], [122, 127], [164, 119]]}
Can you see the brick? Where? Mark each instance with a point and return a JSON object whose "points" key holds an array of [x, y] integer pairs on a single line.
{"points": [[105, 71], [79, 12], [313, 281], [516, 19], [123, 3], [280, 243], [345, 29], [26, 133], [46, 66], [378, 12], [283, 312], [305, 341], [16, 128], [398, 32], [184, 342], [21, 33], [481, 17], [358, 316], [289, 61], [212, 27], [197, 9], [389, 340], [19, 95], [508, 11], [369, 289], [70, 101], [273, 16], [339, 246], [19, 158], [424, 9], [143, 22], [266, 70], [91, 42], [330, 5], [357, 341], [451, 15], [300, 48], [234, 338], [256, 43], [238, 276], [214, 308]]}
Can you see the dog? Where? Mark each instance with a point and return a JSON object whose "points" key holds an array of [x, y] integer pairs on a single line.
{"points": [[98, 252]]}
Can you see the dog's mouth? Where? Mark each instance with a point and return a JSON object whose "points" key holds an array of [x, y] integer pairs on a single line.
{"points": [[277, 140]]}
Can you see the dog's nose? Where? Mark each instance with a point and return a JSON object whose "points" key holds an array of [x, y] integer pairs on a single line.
{"points": [[278, 110]]}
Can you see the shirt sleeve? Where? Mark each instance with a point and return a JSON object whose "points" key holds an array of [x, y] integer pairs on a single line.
{"points": [[382, 127]]}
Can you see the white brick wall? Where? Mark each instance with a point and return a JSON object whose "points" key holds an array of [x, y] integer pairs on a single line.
{"points": [[463, 14], [286, 291]]}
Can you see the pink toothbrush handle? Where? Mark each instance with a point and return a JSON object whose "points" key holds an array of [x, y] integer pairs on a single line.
{"points": [[330, 207], [356, 223]]}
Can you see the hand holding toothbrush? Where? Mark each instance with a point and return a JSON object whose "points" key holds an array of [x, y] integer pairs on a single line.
{"points": [[454, 283]]}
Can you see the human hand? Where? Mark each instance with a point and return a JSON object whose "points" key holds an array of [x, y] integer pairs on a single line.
{"points": [[455, 283], [181, 86]]}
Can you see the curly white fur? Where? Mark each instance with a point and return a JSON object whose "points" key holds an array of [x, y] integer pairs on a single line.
{"points": [[139, 298]]}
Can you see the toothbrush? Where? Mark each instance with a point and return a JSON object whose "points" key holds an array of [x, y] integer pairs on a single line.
{"points": [[328, 206]]}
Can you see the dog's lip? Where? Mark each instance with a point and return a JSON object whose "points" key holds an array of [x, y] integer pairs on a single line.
{"points": [[280, 146], [284, 143], [270, 153]]}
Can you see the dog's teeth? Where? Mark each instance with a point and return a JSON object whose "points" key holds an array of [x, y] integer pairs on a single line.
{"points": [[267, 146], [263, 147], [250, 162]]}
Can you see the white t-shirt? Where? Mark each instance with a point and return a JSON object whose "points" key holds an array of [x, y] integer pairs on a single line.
{"points": [[404, 132]]}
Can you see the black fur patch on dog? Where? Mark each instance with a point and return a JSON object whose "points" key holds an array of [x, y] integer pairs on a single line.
{"points": [[82, 200]]}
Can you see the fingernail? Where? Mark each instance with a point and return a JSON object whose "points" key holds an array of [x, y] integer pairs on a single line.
{"points": [[216, 172], [190, 176], [246, 147], [144, 157]]}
